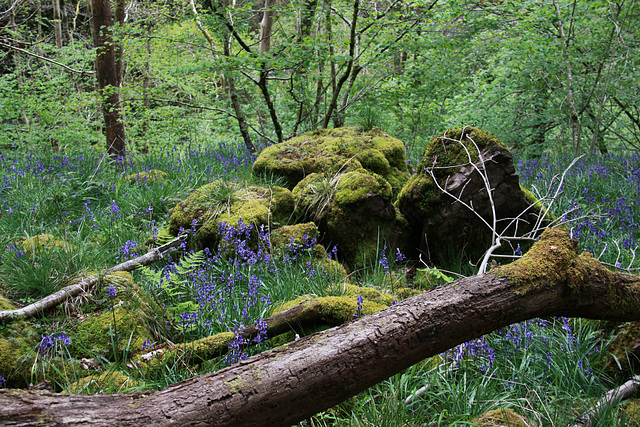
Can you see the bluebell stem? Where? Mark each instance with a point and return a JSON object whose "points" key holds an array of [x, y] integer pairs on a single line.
{"points": [[359, 307]]}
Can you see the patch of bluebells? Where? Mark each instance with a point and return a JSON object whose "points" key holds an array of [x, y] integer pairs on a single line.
{"points": [[49, 343], [2, 381], [128, 250], [600, 199], [519, 341]]}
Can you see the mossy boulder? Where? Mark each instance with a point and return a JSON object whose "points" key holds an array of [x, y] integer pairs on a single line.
{"points": [[152, 176], [17, 343], [290, 237], [354, 211], [452, 162], [226, 202], [335, 150], [111, 334], [502, 417]]}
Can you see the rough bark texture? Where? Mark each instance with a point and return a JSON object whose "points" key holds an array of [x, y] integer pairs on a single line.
{"points": [[292, 382]]}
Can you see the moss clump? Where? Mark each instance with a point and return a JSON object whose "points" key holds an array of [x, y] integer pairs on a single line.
{"points": [[335, 310], [152, 176], [460, 162], [223, 202], [552, 260], [335, 150], [108, 382], [368, 294], [502, 417], [457, 147], [17, 341], [298, 235], [190, 353], [43, 243], [355, 212], [111, 333]]}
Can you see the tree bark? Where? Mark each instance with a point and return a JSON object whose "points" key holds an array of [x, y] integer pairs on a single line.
{"points": [[292, 382], [108, 78]]}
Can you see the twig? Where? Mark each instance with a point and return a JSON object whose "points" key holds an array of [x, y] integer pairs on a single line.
{"points": [[611, 398], [66, 67], [84, 284]]}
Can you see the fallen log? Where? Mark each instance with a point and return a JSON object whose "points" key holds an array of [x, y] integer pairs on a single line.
{"points": [[85, 283], [292, 382]]}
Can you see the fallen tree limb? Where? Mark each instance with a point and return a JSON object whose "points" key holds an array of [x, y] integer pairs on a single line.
{"points": [[85, 283], [612, 397], [292, 382]]}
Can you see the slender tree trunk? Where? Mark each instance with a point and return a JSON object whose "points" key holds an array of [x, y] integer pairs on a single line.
{"points": [[108, 78], [119, 16], [290, 383], [353, 40], [57, 23]]}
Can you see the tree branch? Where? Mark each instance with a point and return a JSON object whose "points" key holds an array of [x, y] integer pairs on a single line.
{"points": [[66, 67], [292, 382], [85, 283]]}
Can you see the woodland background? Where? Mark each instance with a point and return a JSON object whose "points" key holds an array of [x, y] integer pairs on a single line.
{"points": [[545, 76]]}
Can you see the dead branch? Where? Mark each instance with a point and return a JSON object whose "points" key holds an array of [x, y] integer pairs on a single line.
{"points": [[86, 282]]}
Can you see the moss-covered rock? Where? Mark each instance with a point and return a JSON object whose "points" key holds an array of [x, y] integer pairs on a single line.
{"points": [[452, 162], [502, 417], [149, 177], [294, 236], [353, 210], [226, 202], [109, 382], [335, 150], [17, 343], [111, 334]]}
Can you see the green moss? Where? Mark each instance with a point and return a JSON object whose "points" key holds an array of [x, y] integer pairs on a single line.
{"points": [[219, 202], [631, 409], [335, 310], [17, 341], [457, 147], [295, 234], [368, 294], [43, 242], [109, 382], [151, 177], [502, 417], [119, 327], [552, 260], [333, 267], [190, 353], [334, 150]]}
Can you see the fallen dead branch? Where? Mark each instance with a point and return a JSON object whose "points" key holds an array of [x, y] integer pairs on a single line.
{"points": [[85, 283]]}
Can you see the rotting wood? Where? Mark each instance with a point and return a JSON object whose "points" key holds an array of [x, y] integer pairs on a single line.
{"points": [[85, 283], [292, 382]]}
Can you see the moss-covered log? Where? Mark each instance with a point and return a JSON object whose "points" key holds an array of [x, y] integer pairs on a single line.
{"points": [[292, 382]]}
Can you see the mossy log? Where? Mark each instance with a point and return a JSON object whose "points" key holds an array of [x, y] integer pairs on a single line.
{"points": [[292, 382]]}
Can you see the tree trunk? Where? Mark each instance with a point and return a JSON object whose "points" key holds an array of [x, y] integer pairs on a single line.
{"points": [[57, 23], [292, 382], [108, 78]]}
